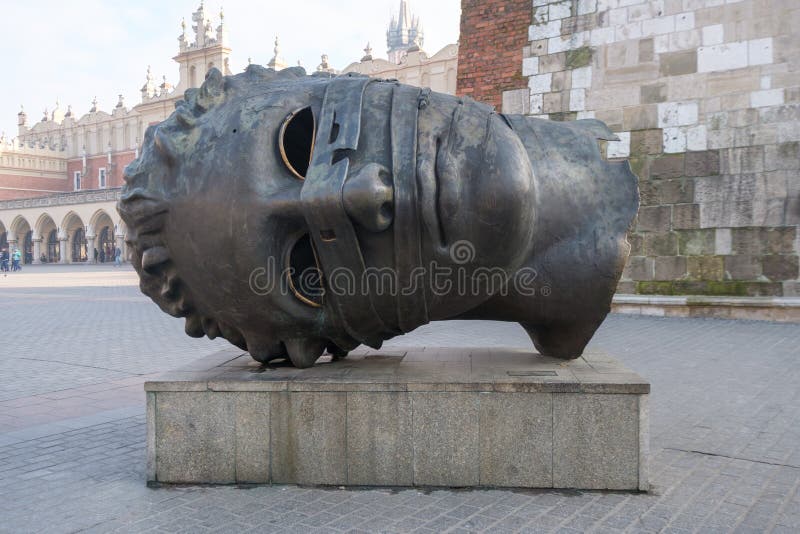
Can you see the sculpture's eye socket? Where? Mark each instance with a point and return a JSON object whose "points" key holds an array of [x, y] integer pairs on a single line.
{"points": [[296, 141], [305, 276]]}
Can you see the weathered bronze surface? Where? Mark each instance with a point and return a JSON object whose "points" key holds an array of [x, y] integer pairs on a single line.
{"points": [[294, 214]]}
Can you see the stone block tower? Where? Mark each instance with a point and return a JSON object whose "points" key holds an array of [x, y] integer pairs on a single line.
{"points": [[705, 97]]}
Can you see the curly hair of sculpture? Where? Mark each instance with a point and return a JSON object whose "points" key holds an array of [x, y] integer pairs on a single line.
{"points": [[294, 214]]}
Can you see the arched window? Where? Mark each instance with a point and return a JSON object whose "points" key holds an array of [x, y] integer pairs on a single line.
{"points": [[105, 245], [79, 248], [53, 248], [27, 247], [3, 240]]}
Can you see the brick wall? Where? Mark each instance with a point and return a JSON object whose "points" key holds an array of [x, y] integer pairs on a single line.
{"points": [[705, 97], [93, 165], [31, 183], [17, 185], [489, 53]]}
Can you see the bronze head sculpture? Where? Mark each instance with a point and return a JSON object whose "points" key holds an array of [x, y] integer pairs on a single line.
{"points": [[294, 214]]}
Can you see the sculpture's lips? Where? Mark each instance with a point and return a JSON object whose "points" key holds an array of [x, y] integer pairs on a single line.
{"points": [[142, 211]]}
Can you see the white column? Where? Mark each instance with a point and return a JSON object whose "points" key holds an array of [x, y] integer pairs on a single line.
{"points": [[63, 243], [90, 248], [37, 251]]}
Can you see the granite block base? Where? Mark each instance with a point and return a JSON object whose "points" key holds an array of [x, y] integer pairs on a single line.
{"points": [[412, 417]]}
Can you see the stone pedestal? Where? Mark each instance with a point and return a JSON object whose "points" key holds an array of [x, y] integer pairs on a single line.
{"points": [[402, 417]]}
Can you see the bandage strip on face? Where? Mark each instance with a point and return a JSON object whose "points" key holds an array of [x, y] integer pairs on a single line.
{"points": [[412, 309], [332, 231]]}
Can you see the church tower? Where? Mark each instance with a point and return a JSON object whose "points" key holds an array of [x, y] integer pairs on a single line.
{"points": [[404, 33], [207, 48]]}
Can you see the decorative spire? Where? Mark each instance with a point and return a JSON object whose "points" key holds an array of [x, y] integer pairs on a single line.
{"points": [[201, 26], [165, 87], [367, 53], [46, 115], [69, 111], [57, 115], [402, 20], [94, 106], [404, 33], [149, 87], [120, 102], [277, 62], [183, 41], [222, 31]]}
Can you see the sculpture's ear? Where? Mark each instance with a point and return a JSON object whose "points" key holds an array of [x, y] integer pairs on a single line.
{"points": [[212, 91]]}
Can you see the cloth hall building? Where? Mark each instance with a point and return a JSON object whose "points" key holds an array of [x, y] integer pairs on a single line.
{"points": [[61, 177]]}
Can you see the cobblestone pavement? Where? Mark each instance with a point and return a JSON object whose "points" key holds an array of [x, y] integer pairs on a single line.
{"points": [[78, 342]]}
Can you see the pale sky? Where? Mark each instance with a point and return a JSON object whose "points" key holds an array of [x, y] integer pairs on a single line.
{"points": [[78, 49]]}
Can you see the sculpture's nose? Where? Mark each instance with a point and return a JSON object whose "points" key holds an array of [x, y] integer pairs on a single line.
{"points": [[369, 197]]}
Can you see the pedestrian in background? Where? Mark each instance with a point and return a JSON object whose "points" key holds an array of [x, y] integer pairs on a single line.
{"points": [[16, 260], [118, 257]]}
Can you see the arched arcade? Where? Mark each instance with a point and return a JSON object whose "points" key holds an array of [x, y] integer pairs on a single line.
{"points": [[73, 234], [46, 246], [59, 229], [102, 237], [21, 237]]}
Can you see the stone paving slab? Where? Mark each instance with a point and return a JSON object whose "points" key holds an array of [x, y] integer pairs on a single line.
{"points": [[725, 431]]}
